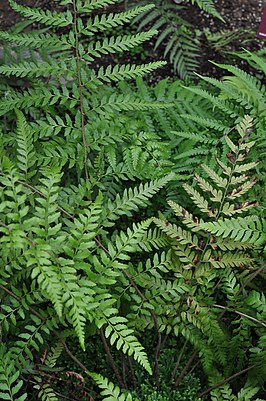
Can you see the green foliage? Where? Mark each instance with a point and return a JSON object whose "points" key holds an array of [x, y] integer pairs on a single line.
{"points": [[180, 43], [64, 184], [208, 249], [82, 154], [110, 392]]}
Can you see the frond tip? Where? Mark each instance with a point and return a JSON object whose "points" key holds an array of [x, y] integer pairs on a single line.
{"points": [[110, 392]]}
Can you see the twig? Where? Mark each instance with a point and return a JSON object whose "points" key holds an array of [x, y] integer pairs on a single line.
{"points": [[156, 368], [124, 371], [111, 360], [182, 374], [224, 381], [179, 358], [72, 356], [132, 371], [250, 278], [240, 314], [194, 367]]}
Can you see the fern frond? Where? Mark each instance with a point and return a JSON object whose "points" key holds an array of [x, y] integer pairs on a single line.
{"points": [[49, 18], [132, 199], [36, 41], [120, 72], [94, 4], [111, 20], [199, 200], [120, 334], [10, 385], [45, 392], [118, 44], [110, 391], [207, 6], [36, 69], [25, 150], [217, 195], [206, 122], [182, 236]]}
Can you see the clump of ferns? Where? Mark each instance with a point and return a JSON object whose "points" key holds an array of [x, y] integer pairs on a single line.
{"points": [[212, 252], [220, 236]]}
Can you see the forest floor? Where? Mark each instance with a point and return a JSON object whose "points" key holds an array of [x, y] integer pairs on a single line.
{"points": [[241, 17]]}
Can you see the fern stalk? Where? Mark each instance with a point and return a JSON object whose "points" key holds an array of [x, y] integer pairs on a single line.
{"points": [[80, 86]]}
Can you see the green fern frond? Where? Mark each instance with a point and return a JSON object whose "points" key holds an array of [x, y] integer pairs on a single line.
{"points": [[111, 20], [49, 18], [118, 44], [36, 41], [53, 355], [36, 69], [10, 385], [95, 4], [244, 82], [218, 103], [206, 122], [181, 46], [132, 199], [110, 391], [207, 6], [120, 334], [126, 71], [25, 150]]}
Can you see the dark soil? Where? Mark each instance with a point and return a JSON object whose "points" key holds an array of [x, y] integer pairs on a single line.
{"points": [[238, 15]]}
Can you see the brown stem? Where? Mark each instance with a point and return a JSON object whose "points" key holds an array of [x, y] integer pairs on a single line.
{"points": [[72, 356], [111, 360], [124, 374], [156, 368], [80, 88], [224, 381], [132, 371], [194, 367], [179, 358], [250, 278], [240, 314], [182, 374]]}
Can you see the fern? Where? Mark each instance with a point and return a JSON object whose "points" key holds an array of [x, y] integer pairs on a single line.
{"points": [[203, 249], [109, 390], [176, 34], [79, 168]]}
